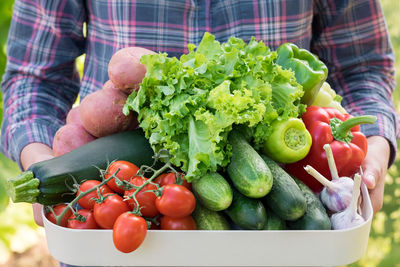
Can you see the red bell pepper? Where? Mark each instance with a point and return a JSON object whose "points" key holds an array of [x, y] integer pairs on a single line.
{"points": [[342, 132]]}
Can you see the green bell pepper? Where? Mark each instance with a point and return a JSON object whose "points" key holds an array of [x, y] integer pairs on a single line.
{"points": [[327, 97], [289, 141], [309, 71]]}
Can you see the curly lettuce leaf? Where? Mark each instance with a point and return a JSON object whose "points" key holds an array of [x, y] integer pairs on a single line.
{"points": [[189, 105]]}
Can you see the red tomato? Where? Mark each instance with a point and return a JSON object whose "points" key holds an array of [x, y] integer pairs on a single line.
{"points": [[87, 201], [106, 212], [184, 223], [129, 232], [176, 201], [170, 178], [88, 223], [58, 209], [147, 200], [126, 172]]}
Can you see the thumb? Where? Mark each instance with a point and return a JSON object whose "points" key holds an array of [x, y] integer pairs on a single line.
{"points": [[369, 179]]}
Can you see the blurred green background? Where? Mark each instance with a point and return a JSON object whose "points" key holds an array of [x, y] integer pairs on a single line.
{"points": [[19, 234]]}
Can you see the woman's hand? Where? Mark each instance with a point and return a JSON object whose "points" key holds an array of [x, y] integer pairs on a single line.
{"points": [[31, 154], [375, 167]]}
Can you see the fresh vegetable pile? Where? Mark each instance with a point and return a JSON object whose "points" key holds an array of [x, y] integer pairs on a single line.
{"points": [[232, 136], [189, 106]]}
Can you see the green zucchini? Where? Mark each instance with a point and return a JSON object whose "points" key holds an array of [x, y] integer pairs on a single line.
{"points": [[247, 170], [49, 182], [208, 219], [247, 213], [213, 191], [285, 199], [315, 217]]}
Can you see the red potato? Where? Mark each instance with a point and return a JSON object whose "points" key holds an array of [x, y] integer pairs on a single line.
{"points": [[73, 116], [70, 137], [125, 69], [101, 113], [109, 85]]}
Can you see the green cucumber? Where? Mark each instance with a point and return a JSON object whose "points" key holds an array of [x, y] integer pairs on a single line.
{"points": [[208, 219], [247, 213], [285, 199], [249, 173], [49, 182], [315, 217], [274, 222], [214, 192]]}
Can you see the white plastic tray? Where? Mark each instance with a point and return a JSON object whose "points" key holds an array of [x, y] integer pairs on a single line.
{"points": [[215, 248]]}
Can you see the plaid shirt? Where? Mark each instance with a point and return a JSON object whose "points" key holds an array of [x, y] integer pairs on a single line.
{"points": [[41, 83]]}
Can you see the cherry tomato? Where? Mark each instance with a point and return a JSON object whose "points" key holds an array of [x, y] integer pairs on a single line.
{"points": [[87, 201], [176, 201], [126, 172], [106, 212], [88, 223], [170, 178], [184, 223], [147, 200], [129, 232], [58, 209]]}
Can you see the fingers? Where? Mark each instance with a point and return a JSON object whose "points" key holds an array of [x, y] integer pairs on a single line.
{"points": [[376, 196], [375, 168], [375, 182], [37, 213], [369, 180]]}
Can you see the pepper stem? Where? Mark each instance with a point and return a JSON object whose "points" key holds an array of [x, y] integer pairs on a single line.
{"points": [[322, 179], [351, 122], [341, 129], [331, 162]]}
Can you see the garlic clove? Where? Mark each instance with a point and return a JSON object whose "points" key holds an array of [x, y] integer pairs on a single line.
{"points": [[338, 200], [349, 217], [342, 220], [336, 194]]}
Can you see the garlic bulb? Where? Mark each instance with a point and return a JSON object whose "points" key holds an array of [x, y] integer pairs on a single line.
{"points": [[339, 196], [349, 217], [336, 194]]}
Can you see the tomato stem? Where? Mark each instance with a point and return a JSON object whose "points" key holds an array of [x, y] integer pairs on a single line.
{"points": [[155, 174], [154, 220], [140, 172], [82, 194], [178, 178]]}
